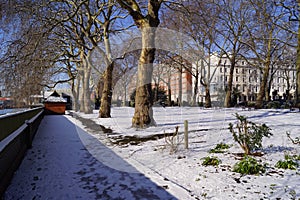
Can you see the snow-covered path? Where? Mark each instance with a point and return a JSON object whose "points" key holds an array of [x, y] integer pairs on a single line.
{"points": [[72, 158], [59, 167]]}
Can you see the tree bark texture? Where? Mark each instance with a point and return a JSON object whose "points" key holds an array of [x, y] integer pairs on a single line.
{"points": [[75, 93], [298, 69], [262, 89], [266, 71], [87, 104], [106, 97], [207, 97], [194, 101], [180, 87], [227, 102], [143, 115], [104, 111]]}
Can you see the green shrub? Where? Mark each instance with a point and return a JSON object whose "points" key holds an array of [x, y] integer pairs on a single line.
{"points": [[248, 166], [289, 162], [214, 161], [220, 148], [248, 134], [273, 105], [200, 104], [251, 104]]}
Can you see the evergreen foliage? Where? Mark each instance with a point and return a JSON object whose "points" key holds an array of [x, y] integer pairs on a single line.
{"points": [[248, 166], [289, 162], [248, 134], [214, 161]]}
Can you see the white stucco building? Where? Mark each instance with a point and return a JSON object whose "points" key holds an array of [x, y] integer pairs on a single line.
{"points": [[246, 79]]}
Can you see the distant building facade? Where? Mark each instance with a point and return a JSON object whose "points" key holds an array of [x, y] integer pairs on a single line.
{"points": [[166, 78], [247, 80]]}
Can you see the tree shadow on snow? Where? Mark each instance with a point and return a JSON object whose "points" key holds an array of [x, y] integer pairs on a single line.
{"points": [[277, 149], [72, 164], [120, 179]]}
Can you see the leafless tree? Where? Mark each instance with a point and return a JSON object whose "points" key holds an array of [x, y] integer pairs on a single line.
{"points": [[146, 20], [231, 29], [264, 40], [200, 24], [292, 12], [28, 60]]}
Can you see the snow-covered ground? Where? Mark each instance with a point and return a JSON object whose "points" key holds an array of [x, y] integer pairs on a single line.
{"points": [[207, 128], [116, 168]]}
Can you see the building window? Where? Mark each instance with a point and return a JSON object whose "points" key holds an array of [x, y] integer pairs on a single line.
{"points": [[237, 79], [225, 69], [225, 78], [221, 69], [243, 79], [237, 70]]}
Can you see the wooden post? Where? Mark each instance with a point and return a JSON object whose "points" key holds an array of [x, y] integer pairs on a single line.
{"points": [[186, 139]]}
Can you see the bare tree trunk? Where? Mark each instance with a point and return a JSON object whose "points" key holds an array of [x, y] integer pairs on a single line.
{"points": [[156, 92], [105, 106], [227, 102], [194, 101], [180, 87], [263, 85], [207, 97], [87, 104], [81, 108], [267, 94], [143, 115], [125, 93], [298, 69], [104, 111], [268, 91], [75, 93], [207, 88], [169, 95], [288, 96], [266, 71], [81, 93]]}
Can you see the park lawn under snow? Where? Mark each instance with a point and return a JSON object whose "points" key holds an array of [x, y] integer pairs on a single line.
{"points": [[207, 128]]}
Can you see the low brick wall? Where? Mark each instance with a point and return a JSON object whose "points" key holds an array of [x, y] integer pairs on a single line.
{"points": [[14, 146]]}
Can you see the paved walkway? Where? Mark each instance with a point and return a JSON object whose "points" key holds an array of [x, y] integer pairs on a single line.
{"points": [[59, 167]]}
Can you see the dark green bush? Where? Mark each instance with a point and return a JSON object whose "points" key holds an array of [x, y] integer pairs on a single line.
{"points": [[248, 134], [214, 161], [200, 104], [289, 162], [273, 105], [220, 148], [249, 166]]}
